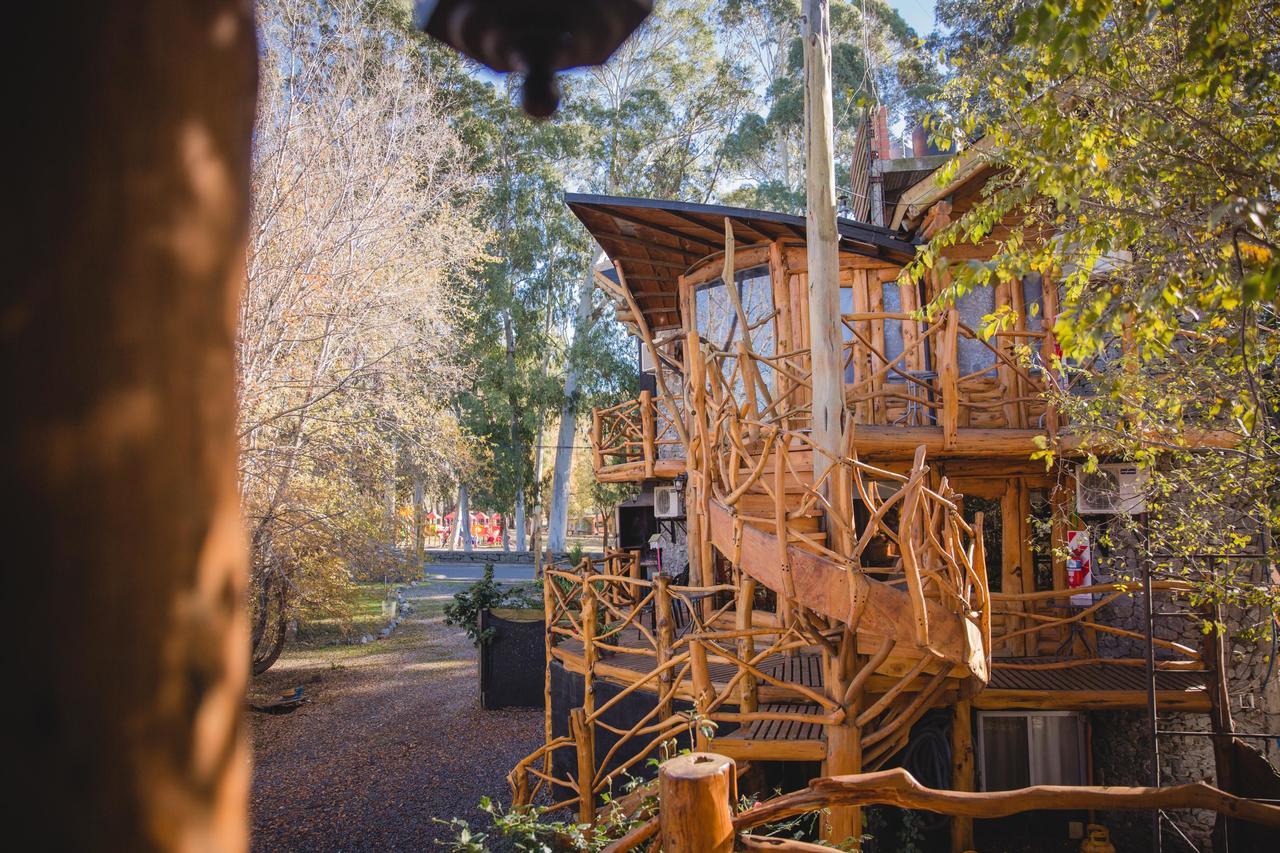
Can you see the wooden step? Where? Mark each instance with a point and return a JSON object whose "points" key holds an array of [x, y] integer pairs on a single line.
{"points": [[759, 503], [804, 524], [776, 740], [793, 482]]}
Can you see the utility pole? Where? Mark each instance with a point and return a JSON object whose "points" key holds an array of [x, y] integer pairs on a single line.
{"points": [[844, 754]]}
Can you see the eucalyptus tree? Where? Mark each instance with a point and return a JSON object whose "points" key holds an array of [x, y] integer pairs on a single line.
{"points": [[362, 230], [520, 307], [876, 58], [652, 120]]}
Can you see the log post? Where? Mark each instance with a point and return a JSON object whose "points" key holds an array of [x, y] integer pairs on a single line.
{"points": [[666, 637], [703, 690], [962, 766], [584, 741], [826, 333], [747, 701], [696, 449], [822, 238], [549, 642], [119, 316], [1049, 348], [949, 379], [597, 438], [844, 756], [844, 739], [637, 591], [695, 813], [648, 433], [1014, 508]]}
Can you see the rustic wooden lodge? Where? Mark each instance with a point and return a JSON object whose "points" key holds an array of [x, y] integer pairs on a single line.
{"points": [[816, 614]]}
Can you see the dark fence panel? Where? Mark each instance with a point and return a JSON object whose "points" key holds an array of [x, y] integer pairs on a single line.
{"points": [[513, 661]]}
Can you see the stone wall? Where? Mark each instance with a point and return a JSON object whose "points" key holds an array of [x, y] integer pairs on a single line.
{"points": [[1121, 743]]}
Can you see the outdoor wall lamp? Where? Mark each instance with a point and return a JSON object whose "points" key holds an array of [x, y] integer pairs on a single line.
{"points": [[536, 38]]}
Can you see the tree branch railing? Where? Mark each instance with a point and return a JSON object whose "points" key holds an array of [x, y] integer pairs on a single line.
{"points": [[923, 386], [602, 605], [1052, 616], [634, 435], [762, 446]]}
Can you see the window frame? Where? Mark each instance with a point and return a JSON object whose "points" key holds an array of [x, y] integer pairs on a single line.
{"points": [[1082, 730]]}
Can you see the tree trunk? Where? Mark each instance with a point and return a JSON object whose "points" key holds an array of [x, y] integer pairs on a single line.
{"points": [[393, 526], [419, 520], [117, 338], [464, 519], [821, 239], [557, 524], [844, 753], [536, 521], [455, 535], [517, 456]]}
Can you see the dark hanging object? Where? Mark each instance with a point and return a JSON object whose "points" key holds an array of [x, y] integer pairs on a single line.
{"points": [[536, 38]]}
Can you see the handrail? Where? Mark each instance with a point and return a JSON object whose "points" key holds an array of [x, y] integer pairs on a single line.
{"points": [[578, 598], [633, 433], [1080, 616], [941, 394]]}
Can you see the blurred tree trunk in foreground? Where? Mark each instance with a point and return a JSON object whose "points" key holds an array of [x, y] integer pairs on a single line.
{"points": [[116, 339]]}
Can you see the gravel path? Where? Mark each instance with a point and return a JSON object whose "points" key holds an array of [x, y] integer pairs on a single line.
{"points": [[392, 738]]}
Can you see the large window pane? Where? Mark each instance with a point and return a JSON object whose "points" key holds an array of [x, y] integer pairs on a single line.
{"points": [[1056, 750], [1005, 759], [972, 353], [718, 324]]}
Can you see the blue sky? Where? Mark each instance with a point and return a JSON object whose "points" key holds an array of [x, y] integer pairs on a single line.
{"points": [[917, 13]]}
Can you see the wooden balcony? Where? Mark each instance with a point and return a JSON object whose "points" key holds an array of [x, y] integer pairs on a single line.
{"points": [[635, 441], [942, 384]]}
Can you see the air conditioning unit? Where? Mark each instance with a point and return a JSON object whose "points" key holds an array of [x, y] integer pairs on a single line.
{"points": [[1114, 488], [667, 502]]}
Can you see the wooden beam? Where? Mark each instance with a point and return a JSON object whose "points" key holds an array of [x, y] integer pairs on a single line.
{"points": [[925, 192], [670, 265], [898, 788], [661, 229], [120, 309], [999, 699], [648, 244], [962, 771], [743, 749]]}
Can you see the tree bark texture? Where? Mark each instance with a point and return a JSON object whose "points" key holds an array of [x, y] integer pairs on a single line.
{"points": [[558, 523], [822, 240], [117, 332]]}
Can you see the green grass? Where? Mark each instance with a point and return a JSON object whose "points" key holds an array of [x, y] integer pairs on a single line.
{"points": [[367, 617]]}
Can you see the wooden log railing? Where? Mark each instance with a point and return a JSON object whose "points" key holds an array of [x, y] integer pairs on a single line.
{"points": [[923, 386], [935, 546], [703, 810], [631, 439], [603, 605], [1049, 619]]}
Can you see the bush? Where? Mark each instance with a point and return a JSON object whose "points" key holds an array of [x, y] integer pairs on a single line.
{"points": [[486, 594]]}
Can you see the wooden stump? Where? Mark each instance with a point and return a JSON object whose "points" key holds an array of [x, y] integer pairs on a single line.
{"points": [[695, 813]]}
